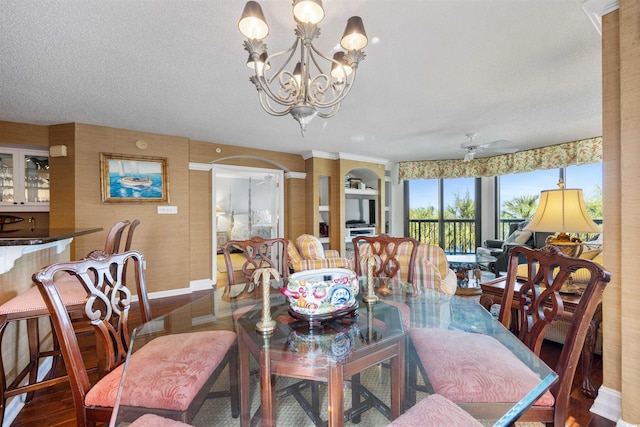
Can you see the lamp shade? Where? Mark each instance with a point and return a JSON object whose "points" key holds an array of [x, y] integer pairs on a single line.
{"points": [[308, 11], [562, 210], [252, 24], [342, 70], [354, 36]]}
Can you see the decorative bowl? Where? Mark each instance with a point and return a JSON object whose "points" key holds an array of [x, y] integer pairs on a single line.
{"points": [[322, 291]]}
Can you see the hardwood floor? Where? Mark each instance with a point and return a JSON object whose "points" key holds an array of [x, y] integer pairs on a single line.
{"points": [[54, 406]]}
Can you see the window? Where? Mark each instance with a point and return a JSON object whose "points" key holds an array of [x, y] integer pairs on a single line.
{"points": [[519, 193], [442, 212]]}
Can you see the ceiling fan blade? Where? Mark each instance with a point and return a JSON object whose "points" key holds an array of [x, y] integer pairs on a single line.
{"points": [[495, 143], [504, 150]]}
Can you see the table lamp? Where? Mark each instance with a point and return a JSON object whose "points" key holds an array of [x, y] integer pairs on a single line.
{"points": [[563, 209]]}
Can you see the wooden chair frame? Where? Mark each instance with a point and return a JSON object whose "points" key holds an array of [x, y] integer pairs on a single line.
{"points": [[540, 303], [258, 253], [107, 309], [30, 371]]}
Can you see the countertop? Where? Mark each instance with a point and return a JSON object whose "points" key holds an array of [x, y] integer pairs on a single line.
{"points": [[26, 237]]}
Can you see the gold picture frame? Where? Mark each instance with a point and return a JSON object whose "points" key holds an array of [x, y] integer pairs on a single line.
{"points": [[133, 179]]}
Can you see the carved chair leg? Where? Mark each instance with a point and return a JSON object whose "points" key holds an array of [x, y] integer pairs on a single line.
{"points": [[588, 389]]}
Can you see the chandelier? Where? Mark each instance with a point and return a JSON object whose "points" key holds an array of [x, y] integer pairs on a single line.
{"points": [[303, 90]]}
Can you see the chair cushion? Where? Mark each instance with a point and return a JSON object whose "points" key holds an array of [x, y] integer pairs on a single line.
{"points": [[166, 373], [435, 410], [71, 292], [473, 368], [310, 247], [151, 420]]}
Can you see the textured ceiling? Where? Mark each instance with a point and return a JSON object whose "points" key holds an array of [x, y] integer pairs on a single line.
{"points": [[527, 71]]}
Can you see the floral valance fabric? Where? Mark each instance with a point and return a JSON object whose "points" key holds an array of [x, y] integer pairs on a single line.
{"points": [[580, 152]]}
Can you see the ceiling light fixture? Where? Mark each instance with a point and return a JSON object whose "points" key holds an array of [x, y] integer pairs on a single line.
{"points": [[306, 91]]}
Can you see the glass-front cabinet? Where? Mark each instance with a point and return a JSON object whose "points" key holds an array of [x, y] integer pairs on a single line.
{"points": [[24, 180]]}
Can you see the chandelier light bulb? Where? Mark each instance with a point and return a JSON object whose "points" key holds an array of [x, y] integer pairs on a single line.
{"points": [[308, 11], [354, 37], [252, 24]]}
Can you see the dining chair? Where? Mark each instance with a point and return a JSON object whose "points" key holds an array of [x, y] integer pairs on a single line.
{"points": [[548, 269], [157, 372], [112, 243], [435, 410], [29, 307], [251, 255], [152, 420]]}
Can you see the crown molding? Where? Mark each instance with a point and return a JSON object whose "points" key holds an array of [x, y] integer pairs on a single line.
{"points": [[348, 156], [596, 9], [320, 155], [295, 175], [342, 156]]}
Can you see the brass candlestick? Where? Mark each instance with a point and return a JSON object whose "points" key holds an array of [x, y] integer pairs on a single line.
{"points": [[266, 325], [372, 260]]}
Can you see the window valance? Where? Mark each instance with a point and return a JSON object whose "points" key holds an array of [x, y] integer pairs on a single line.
{"points": [[582, 152]]}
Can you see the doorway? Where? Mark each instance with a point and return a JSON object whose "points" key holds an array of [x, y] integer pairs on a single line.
{"points": [[248, 202]]}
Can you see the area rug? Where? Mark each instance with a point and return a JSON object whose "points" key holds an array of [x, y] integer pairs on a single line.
{"points": [[217, 412]]}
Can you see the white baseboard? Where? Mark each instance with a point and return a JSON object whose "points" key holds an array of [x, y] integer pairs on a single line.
{"points": [[202, 284], [17, 403], [194, 286], [608, 404]]}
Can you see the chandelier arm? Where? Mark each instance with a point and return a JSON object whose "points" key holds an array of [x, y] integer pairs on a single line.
{"points": [[342, 94], [266, 82], [331, 112], [266, 106], [290, 51], [348, 83]]}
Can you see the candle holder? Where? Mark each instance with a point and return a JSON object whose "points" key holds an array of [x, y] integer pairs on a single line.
{"points": [[263, 276], [372, 261]]}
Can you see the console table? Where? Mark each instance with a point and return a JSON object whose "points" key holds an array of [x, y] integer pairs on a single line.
{"points": [[492, 294]]}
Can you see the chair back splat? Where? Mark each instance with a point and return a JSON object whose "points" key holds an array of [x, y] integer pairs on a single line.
{"points": [[253, 254], [397, 256]]}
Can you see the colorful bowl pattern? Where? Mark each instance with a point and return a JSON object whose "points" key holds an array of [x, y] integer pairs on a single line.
{"points": [[322, 291]]}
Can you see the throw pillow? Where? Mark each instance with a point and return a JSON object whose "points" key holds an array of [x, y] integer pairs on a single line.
{"points": [[518, 237], [310, 247], [590, 255]]}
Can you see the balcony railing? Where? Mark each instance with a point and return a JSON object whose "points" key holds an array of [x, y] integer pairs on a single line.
{"points": [[460, 234]]}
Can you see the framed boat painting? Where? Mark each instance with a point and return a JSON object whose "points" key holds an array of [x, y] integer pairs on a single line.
{"points": [[133, 179]]}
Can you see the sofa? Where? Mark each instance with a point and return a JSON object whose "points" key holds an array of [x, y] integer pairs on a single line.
{"points": [[431, 269], [517, 237]]}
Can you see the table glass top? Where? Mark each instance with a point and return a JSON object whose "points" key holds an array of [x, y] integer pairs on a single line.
{"points": [[337, 342]]}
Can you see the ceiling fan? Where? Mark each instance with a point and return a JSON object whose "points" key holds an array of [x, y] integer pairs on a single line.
{"points": [[472, 148]]}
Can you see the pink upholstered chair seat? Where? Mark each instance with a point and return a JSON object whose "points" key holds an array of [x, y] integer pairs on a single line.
{"points": [[473, 368], [435, 410], [151, 420], [165, 373], [71, 292]]}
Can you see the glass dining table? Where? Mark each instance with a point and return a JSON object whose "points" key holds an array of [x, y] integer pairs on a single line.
{"points": [[348, 369]]}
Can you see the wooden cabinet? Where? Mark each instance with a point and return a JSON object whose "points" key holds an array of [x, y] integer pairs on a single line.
{"points": [[24, 180]]}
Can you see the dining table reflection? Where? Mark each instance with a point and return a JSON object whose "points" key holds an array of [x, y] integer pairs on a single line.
{"points": [[351, 368]]}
